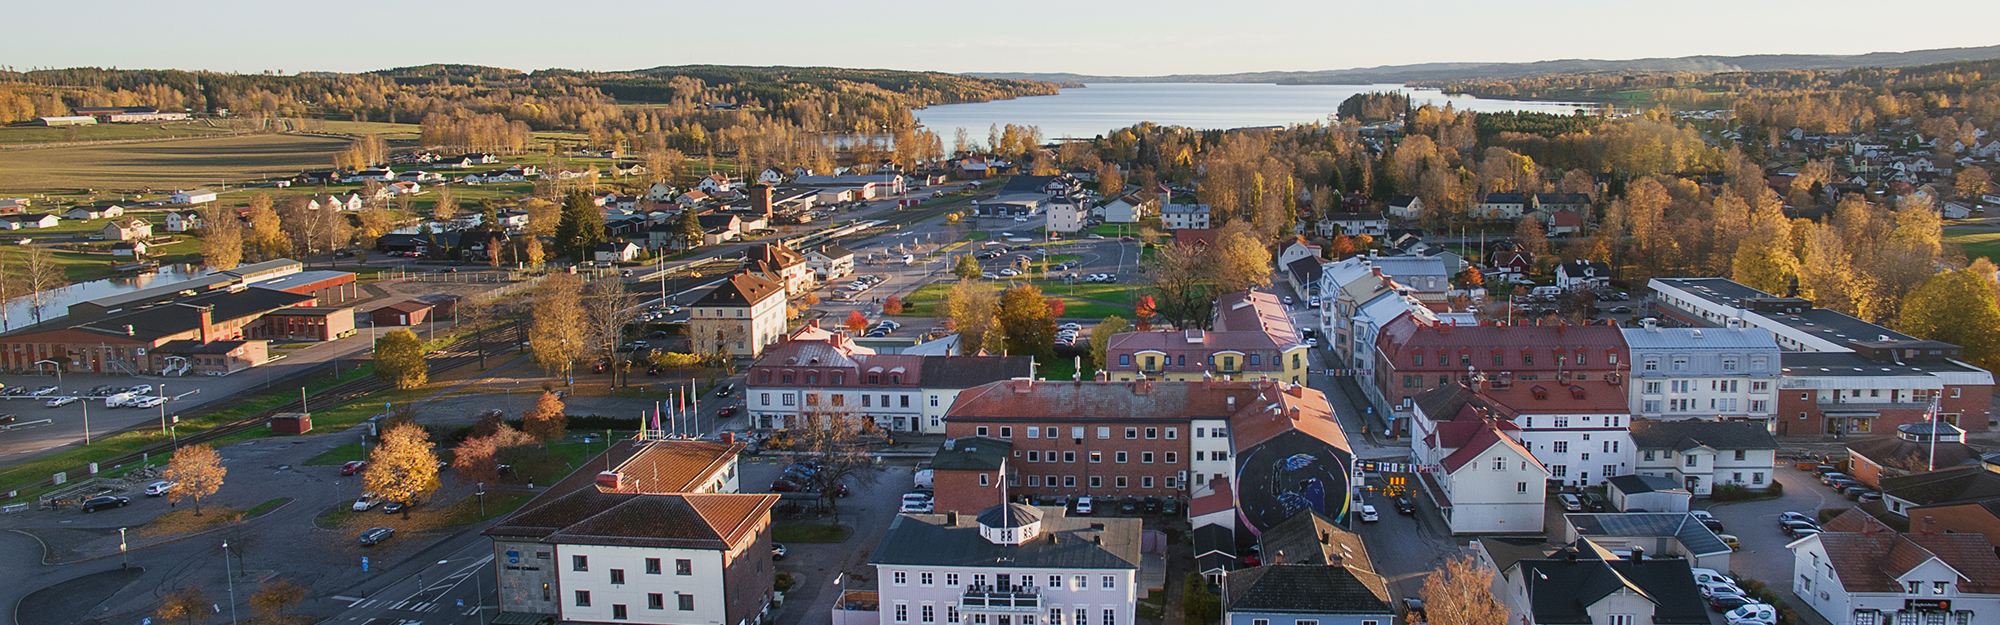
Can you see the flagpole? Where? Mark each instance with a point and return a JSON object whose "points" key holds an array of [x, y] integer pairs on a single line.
{"points": [[1932, 417]]}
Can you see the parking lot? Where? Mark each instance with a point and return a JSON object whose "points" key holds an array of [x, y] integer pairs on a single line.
{"points": [[1763, 556]]}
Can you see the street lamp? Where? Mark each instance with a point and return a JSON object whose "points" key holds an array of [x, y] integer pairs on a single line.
{"points": [[227, 574], [58, 368]]}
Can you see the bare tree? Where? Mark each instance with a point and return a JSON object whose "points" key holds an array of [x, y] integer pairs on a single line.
{"points": [[559, 332], [607, 307], [837, 442], [43, 280], [1461, 593]]}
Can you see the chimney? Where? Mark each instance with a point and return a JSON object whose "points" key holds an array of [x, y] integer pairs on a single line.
{"points": [[760, 200], [207, 323], [1638, 555], [1930, 525], [1792, 287], [1232, 402], [1325, 537], [951, 519]]}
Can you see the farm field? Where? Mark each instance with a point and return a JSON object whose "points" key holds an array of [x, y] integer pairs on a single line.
{"points": [[165, 165], [1978, 242], [19, 135]]}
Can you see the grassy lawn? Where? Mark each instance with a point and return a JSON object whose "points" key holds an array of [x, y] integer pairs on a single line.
{"points": [[925, 300], [425, 516], [166, 164], [1127, 294], [104, 132], [810, 533], [337, 455], [1978, 242]]}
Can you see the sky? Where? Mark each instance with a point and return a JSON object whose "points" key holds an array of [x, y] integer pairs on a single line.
{"points": [[1088, 37]]}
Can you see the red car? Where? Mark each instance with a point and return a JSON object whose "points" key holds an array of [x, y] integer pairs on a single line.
{"points": [[352, 467], [782, 486]]}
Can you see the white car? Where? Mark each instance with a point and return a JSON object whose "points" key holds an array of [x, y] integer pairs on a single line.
{"points": [[141, 389], [365, 502], [1368, 514], [1712, 588], [1073, 326], [152, 401], [161, 487], [1570, 502], [1009, 272], [1705, 575], [1020, 220], [60, 402], [1701, 515], [1083, 506], [1752, 614]]}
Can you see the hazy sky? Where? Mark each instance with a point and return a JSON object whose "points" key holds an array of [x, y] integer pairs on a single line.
{"points": [[1089, 37]]}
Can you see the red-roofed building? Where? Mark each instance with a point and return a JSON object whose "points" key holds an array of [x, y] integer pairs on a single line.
{"points": [[1475, 464], [1580, 431], [1413, 355], [1861, 571]]}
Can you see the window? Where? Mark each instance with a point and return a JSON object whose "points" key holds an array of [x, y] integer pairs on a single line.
{"points": [[583, 598], [902, 612], [1499, 464], [1103, 433], [951, 613], [1417, 360], [925, 578], [1740, 454], [1618, 619], [1034, 432], [1562, 422], [1173, 433], [983, 479], [929, 613], [1069, 456], [934, 401], [1152, 433], [1119, 457], [1034, 456], [617, 576], [866, 403], [1173, 482], [764, 399], [1652, 387], [1051, 433], [1082, 616], [1499, 359], [579, 563], [1520, 487], [618, 611], [656, 601], [1121, 481], [1006, 432], [1034, 480], [1916, 587], [1110, 582], [1145, 481], [686, 601], [1124, 360], [1110, 616], [1131, 433], [1095, 456], [951, 579], [1937, 588], [1173, 457], [1146, 457], [1690, 460], [902, 578], [1097, 481], [653, 566], [787, 399], [1055, 616], [1558, 470], [1307, 621], [1757, 477], [1069, 481], [1561, 447]]}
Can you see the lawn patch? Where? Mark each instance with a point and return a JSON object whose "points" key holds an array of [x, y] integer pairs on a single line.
{"points": [[184, 521], [337, 455], [810, 533]]}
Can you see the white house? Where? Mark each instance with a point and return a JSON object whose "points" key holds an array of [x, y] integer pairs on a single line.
{"points": [[1010, 561], [183, 221], [771, 176], [616, 252], [1728, 373], [1126, 209], [31, 221], [713, 184], [1488, 481], [197, 196], [1371, 224], [1406, 207], [127, 229], [107, 211], [1298, 249], [1185, 216], [1580, 274], [1702, 454], [661, 192], [1066, 217], [1862, 572], [830, 262]]}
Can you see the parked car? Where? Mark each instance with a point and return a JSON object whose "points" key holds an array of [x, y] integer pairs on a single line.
{"points": [[1084, 506], [353, 467], [365, 502], [46, 390], [1793, 516], [375, 535], [60, 402], [782, 486], [916, 502], [161, 487], [1368, 514], [94, 504], [1570, 502], [1413, 610], [1710, 589], [1732, 541], [393, 507], [1752, 614], [777, 551], [1713, 525], [1727, 602]]}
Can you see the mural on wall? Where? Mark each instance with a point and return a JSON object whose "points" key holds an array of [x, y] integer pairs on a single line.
{"points": [[1289, 474]]}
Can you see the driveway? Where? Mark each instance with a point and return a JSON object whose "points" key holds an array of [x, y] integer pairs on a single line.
{"points": [[1764, 557], [815, 566]]}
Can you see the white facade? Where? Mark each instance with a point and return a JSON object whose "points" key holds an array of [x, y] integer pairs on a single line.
{"points": [[1212, 459], [1729, 373], [1579, 448], [1065, 217], [1501, 490], [1183, 216], [1701, 467], [830, 265], [595, 588], [1817, 581], [893, 408], [197, 196], [1083, 596]]}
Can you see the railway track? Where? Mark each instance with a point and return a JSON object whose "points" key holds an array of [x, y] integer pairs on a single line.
{"points": [[440, 361]]}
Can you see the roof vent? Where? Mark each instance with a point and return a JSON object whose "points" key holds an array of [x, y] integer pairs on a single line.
{"points": [[1695, 334], [1232, 400]]}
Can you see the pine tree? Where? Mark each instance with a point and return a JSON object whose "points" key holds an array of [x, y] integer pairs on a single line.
{"points": [[581, 229]]}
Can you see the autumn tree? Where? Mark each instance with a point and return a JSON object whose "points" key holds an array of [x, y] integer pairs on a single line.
{"points": [[607, 307], [476, 459], [558, 333], [185, 606], [1956, 307], [1461, 593], [1764, 258], [1529, 233], [1239, 261], [446, 207], [1143, 311], [1100, 340], [1024, 316], [1110, 183], [399, 359], [892, 306], [273, 597], [402, 468], [581, 228], [266, 239], [546, 422], [970, 307], [1181, 286], [221, 237], [1971, 181], [967, 268], [856, 323], [198, 471], [1339, 247]]}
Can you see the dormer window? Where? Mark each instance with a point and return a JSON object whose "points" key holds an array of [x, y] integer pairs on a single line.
{"points": [[874, 379]]}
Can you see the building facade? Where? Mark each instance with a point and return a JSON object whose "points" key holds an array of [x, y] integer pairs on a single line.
{"points": [[739, 317], [1726, 373], [1700, 455], [1010, 563]]}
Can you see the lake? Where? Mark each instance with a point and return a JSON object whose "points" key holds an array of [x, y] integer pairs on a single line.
{"points": [[18, 308], [1098, 108]]}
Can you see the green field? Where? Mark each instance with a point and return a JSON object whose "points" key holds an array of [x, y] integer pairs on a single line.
{"points": [[1978, 242], [166, 165], [925, 300], [20, 135]]}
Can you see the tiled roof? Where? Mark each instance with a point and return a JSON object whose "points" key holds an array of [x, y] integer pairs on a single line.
{"points": [[1889, 448], [1077, 543], [963, 372], [741, 289], [227, 307], [1285, 408], [1871, 561], [692, 521], [1953, 485], [1218, 498], [1562, 590], [1305, 589], [1486, 437], [674, 466], [1310, 538], [1255, 311], [1654, 434], [1108, 401], [778, 256]]}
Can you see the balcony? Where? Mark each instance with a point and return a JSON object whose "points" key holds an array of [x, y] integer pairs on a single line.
{"points": [[1015, 599]]}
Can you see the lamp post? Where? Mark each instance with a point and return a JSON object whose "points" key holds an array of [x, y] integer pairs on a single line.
{"points": [[227, 573], [58, 368]]}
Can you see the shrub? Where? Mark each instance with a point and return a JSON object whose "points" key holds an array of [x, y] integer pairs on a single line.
{"points": [[784, 582]]}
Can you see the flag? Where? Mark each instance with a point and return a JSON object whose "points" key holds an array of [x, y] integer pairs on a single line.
{"points": [[1931, 413]]}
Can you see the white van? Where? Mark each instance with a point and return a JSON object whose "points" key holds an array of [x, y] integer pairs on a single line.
{"points": [[909, 259], [119, 400], [1545, 291]]}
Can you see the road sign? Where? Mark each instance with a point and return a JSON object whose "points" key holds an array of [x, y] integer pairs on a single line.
{"points": [[364, 564]]}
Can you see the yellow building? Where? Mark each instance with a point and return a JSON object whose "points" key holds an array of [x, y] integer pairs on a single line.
{"points": [[740, 317], [1253, 338]]}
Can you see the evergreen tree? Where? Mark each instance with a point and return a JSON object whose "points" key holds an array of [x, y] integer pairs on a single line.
{"points": [[1388, 179], [690, 228], [581, 229]]}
